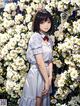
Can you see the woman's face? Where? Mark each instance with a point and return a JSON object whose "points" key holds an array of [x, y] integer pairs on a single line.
{"points": [[45, 25]]}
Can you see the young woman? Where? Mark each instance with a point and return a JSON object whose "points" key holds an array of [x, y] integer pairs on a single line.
{"points": [[36, 91]]}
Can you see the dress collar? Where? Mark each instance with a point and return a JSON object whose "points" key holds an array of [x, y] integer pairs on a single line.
{"points": [[43, 35]]}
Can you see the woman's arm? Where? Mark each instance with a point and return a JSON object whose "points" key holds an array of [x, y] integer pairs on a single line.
{"points": [[50, 68], [41, 65], [43, 71]]}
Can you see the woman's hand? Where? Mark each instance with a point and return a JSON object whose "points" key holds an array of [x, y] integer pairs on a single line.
{"points": [[46, 88]]}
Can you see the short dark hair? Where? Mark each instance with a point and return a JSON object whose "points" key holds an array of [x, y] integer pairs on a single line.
{"points": [[42, 15]]}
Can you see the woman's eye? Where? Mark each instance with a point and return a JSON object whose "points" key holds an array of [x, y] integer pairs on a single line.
{"points": [[42, 22], [49, 21]]}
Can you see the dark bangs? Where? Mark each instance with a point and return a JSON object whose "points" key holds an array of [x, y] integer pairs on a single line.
{"points": [[44, 17], [41, 16]]}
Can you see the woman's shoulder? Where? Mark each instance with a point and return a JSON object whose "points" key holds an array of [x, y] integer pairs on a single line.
{"points": [[35, 36]]}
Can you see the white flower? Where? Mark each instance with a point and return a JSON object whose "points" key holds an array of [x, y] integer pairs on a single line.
{"points": [[76, 26], [18, 18], [0, 18], [58, 63], [22, 81], [22, 43], [33, 5], [68, 61], [10, 7], [23, 1], [13, 13], [6, 15], [76, 57], [66, 25], [16, 88], [28, 0], [9, 85], [58, 104], [9, 72], [7, 8], [3, 38], [30, 25], [29, 33], [8, 23], [28, 9], [4, 51], [61, 83], [74, 100], [65, 1], [73, 2], [8, 57], [53, 3], [64, 105], [78, 2], [27, 17], [14, 66], [19, 50], [47, 7], [1, 28], [60, 5], [17, 37], [10, 31], [59, 35], [15, 76], [23, 67], [13, 6], [24, 36], [48, 1], [19, 28], [73, 73], [73, 86], [60, 79], [60, 91], [36, 1], [13, 53], [19, 61], [11, 44], [21, 6]]}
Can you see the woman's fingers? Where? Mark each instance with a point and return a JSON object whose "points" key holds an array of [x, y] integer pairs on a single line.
{"points": [[44, 92], [46, 88]]}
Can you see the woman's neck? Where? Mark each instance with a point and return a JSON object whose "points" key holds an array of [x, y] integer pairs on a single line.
{"points": [[45, 33]]}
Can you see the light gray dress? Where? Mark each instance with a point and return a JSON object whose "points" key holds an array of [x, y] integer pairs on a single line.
{"points": [[34, 83]]}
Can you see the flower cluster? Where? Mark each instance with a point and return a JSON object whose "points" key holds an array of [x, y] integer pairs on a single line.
{"points": [[67, 53]]}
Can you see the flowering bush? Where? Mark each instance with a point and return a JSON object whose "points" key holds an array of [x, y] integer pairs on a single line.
{"points": [[15, 31], [67, 56]]}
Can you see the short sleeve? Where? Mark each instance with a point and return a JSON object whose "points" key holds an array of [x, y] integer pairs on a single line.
{"points": [[36, 44]]}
